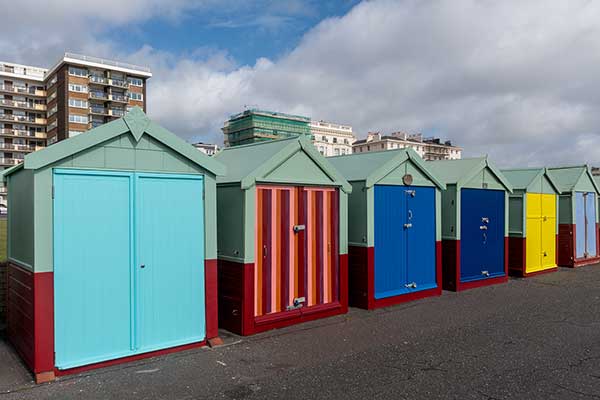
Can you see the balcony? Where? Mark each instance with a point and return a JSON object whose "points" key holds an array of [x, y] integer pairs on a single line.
{"points": [[22, 133], [98, 96], [116, 113], [22, 90], [17, 147], [119, 98], [99, 80], [98, 111], [22, 104], [119, 83], [6, 161], [93, 125]]}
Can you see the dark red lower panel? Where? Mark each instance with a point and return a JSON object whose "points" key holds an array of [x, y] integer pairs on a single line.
{"points": [[516, 256], [236, 301], [565, 246], [362, 280], [211, 299], [450, 264], [31, 319]]}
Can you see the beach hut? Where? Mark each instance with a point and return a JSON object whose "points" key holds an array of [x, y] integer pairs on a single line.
{"points": [[532, 222], [474, 222], [394, 227], [577, 216], [282, 239], [111, 248]]}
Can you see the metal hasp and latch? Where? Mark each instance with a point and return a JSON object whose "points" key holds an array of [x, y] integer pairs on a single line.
{"points": [[298, 303], [412, 285], [412, 193], [485, 273], [409, 225], [298, 228]]}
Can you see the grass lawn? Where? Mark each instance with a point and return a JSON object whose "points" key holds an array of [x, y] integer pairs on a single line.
{"points": [[2, 239]]}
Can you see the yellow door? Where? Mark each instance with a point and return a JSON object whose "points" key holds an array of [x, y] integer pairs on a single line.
{"points": [[533, 232], [548, 231]]}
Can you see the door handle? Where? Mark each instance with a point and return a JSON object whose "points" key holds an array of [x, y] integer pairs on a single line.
{"points": [[483, 227], [143, 266], [485, 220], [408, 226], [298, 228]]}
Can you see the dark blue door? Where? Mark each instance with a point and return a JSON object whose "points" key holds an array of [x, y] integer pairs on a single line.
{"points": [[404, 240], [482, 234]]}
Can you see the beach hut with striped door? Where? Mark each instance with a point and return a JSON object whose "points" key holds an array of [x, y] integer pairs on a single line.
{"points": [[111, 248], [394, 227], [474, 222], [577, 215], [532, 222], [282, 239]]}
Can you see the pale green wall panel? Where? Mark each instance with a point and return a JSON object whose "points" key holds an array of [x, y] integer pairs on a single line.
{"points": [[249, 222], [148, 159], [449, 213], [43, 234], [438, 214], [485, 176], [515, 215], [546, 186], [20, 231], [343, 223], [210, 217], [299, 168], [371, 216], [357, 214], [585, 184], [565, 211], [93, 158], [230, 230], [118, 158]]}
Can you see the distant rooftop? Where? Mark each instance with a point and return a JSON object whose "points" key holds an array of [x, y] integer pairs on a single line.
{"points": [[269, 114]]}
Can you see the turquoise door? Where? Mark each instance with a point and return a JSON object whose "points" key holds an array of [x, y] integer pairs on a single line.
{"points": [[106, 224], [92, 274], [170, 268]]}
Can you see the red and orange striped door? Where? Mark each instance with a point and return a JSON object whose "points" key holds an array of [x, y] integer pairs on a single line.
{"points": [[292, 265]]}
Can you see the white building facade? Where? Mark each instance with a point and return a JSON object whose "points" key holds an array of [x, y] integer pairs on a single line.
{"points": [[427, 148], [207, 148], [332, 139]]}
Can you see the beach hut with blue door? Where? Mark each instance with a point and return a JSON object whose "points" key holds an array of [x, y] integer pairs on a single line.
{"points": [[577, 243], [394, 227], [474, 222], [111, 248]]}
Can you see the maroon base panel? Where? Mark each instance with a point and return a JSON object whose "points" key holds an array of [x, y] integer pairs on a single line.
{"points": [[361, 278], [30, 321], [566, 248], [451, 268], [236, 301]]}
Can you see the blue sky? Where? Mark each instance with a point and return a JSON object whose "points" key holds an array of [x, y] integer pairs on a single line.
{"points": [[246, 31]]}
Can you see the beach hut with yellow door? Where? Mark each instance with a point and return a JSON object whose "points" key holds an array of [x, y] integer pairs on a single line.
{"points": [[532, 222]]}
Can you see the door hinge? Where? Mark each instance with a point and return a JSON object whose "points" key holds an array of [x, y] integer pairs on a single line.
{"points": [[52, 191]]}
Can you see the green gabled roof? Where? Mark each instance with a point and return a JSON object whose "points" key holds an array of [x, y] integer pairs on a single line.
{"points": [[374, 166], [248, 163], [523, 178], [136, 123], [459, 172], [567, 178]]}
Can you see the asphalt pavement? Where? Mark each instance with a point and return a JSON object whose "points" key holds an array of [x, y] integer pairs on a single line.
{"points": [[535, 338]]}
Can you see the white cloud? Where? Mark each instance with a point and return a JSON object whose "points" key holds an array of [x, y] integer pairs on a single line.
{"points": [[514, 79]]}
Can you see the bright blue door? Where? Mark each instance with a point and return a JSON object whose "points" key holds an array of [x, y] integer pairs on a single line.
{"points": [[92, 274], [106, 225], [390, 241], [404, 240], [420, 234], [481, 234], [170, 270], [590, 217]]}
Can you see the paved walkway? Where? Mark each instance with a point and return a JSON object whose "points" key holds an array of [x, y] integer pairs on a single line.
{"points": [[536, 338]]}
